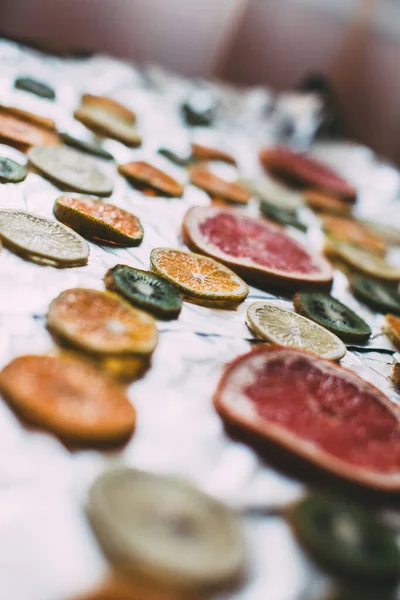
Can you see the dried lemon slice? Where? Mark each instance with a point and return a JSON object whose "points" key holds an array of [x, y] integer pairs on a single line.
{"points": [[286, 328], [363, 261], [42, 240]]}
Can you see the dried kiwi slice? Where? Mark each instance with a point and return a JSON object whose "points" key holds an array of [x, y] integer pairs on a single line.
{"points": [[345, 539], [180, 159], [86, 147], [278, 215], [145, 290], [38, 88], [11, 171], [333, 315], [383, 298], [351, 591]]}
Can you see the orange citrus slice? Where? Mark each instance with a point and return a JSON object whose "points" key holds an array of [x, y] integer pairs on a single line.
{"points": [[199, 278], [206, 153], [22, 134], [217, 187], [25, 115], [327, 203], [353, 232], [101, 323], [99, 220], [109, 105], [392, 329], [143, 174]]}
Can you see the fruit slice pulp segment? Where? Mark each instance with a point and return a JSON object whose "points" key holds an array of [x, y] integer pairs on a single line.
{"points": [[217, 187], [332, 409], [260, 243], [144, 173]]}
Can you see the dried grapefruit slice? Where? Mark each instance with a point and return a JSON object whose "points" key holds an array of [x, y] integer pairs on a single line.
{"points": [[286, 328], [302, 170], [145, 175], [357, 259], [326, 203], [254, 248], [101, 323], [199, 278], [217, 187], [317, 410], [99, 220], [353, 232], [68, 397], [206, 153]]}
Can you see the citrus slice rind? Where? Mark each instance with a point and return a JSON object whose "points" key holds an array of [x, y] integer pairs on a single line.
{"points": [[42, 240], [217, 187], [109, 105], [106, 123], [101, 323], [68, 397], [316, 410], [99, 220], [144, 174], [364, 262], [254, 248], [199, 278], [286, 328]]}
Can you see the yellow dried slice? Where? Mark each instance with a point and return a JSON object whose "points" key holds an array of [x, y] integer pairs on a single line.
{"points": [[362, 261], [355, 233]]}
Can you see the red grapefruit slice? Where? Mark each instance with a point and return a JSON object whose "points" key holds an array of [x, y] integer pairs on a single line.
{"points": [[301, 170], [258, 249], [317, 410]]}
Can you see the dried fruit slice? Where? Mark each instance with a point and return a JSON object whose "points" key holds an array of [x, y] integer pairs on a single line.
{"points": [[144, 174], [11, 171], [317, 410], [25, 115], [110, 105], [101, 323], [22, 134], [396, 373], [365, 262], [87, 147], [333, 315], [217, 187], [286, 328], [70, 168], [346, 539], [389, 233], [145, 290], [280, 216], [69, 398], [99, 220], [181, 159], [380, 296], [164, 532], [326, 203], [302, 170], [42, 240], [275, 193], [38, 88], [206, 153], [255, 248], [392, 329], [200, 279], [353, 232]]}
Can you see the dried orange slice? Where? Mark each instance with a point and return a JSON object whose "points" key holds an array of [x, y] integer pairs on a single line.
{"points": [[69, 398], [25, 115], [22, 134], [199, 278], [99, 220], [206, 153], [353, 232], [101, 323], [327, 203], [109, 105], [217, 187], [392, 329], [144, 175]]}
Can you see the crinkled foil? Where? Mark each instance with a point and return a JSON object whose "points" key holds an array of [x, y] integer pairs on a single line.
{"points": [[47, 549]]}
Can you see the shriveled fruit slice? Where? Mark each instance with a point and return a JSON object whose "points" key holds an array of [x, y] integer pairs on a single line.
{"points": [[255, 248], [365, 262], [70, 168], [86, 147], [42, 240], [380, 296], [280, 216], [206, 153], [164, 532], [353, 232], [145, 290], [22, 134], [346, 539], [286, 328], [217, 187], [11, 171], [144, 174], [333, 315], [69, 398], [38, 88], [323, 202], [99, 220], [301, 170], [101, 323], [392, 329], [200, 279], [317, 410], [110, 105]]}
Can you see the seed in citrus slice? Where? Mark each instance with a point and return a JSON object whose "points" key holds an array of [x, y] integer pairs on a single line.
{"points": [[316, 410], [11, 171], [99, 220], [286, 328], [145, 290], [255, 248], [144, 174], [42, 240], [22, 134], [101, 323], [380, 296], [392, 329], [206, 153], [199, 278], [86, 147], [38, 88], [364, 262], [165, 532], [69, 398], [70, 168], [217, 187], [321, 202], [353, 232]]}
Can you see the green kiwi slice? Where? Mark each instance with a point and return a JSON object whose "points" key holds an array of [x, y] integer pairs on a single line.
{"points": [[281, 216], [383, 298], [180, 159], [86, 147], [345, 539], [11, 171], [33, 86], [145, 290], [361, 592], [333, 315]]}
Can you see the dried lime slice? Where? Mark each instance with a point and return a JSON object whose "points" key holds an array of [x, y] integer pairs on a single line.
{"points": [[42, 240], [287, 328], [70, 168], [11, 171], [363, 261], [38, 88]]}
